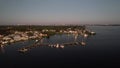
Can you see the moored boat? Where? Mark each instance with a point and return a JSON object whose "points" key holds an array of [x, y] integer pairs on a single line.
{"points": [[23, 50]]}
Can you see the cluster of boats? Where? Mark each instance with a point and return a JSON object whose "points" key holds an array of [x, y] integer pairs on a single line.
{"points": [[27, 48], [82, 43]]}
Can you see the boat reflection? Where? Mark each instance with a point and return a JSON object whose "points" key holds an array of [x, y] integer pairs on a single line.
{"points": [[2, 49]]}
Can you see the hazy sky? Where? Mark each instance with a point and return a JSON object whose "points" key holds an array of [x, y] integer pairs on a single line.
{"points": [[59, 11]]}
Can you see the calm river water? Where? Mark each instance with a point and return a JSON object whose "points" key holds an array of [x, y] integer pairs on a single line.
{"points": [[102, 49]]}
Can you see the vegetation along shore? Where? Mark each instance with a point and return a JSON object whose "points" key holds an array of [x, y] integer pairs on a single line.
{"points": [[15, 33]]}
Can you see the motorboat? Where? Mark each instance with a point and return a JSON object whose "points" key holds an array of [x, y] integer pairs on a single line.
{"points": [[23, 50]]}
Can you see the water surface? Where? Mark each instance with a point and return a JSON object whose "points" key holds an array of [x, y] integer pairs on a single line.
{"points": [[102, 49]]}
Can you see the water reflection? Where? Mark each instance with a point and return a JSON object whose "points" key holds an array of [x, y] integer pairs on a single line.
{"points": [[75, 37], [40, 42], [2, 49]]}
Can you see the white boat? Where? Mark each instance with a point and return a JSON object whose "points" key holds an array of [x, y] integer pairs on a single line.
{"points": [[93, 33], [85, 35], [83, 43]]}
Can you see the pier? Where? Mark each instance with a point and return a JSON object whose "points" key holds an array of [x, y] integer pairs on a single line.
{"points": [[38, 44]]}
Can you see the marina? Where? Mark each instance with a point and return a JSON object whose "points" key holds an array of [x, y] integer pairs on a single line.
{"points": [[59, 33], [69, 49], [27, 48]]}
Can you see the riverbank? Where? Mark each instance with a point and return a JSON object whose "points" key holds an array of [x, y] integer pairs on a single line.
{"points": [[12, 34]]}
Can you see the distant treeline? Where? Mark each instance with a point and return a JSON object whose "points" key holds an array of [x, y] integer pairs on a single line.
{"points": [[102, 24], [8, 29]]}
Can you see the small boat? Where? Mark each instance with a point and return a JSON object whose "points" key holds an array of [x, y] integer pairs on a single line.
{"points": [[36, 40], [23, 50], [83, 43], [62, 46], [85, 35], [57, 45], [93, 33]]}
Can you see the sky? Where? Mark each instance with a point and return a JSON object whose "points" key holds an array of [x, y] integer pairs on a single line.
{"points": [[39, 12]]}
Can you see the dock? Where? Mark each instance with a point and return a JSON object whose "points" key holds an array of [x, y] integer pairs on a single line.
{"points": [[38, 44]]}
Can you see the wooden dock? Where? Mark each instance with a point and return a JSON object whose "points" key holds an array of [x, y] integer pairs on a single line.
{"points": [[37, 44]]}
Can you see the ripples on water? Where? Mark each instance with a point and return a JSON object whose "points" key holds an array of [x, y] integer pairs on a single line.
{"points": [[103, 49]]}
